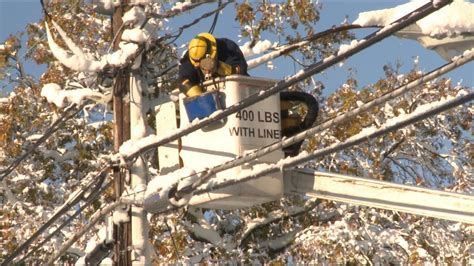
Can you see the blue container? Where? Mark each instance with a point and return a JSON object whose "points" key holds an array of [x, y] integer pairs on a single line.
{"points": [[201, 106]]}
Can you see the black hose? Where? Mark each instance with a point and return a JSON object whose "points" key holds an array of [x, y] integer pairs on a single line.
{"points": [[310, 117]]}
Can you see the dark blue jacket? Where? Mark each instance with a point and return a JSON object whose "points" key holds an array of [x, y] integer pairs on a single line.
{"points": [[227, 52]]}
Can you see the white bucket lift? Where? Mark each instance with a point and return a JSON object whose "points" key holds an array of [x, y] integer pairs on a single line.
{"points": [[259, 125], [253, 127]]}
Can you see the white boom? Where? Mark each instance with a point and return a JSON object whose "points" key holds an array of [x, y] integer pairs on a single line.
{"points": [[380, 194]]}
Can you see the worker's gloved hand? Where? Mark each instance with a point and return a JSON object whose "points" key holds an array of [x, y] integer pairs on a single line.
{"points": [[190, 89], [194, 91], [225, 69]]}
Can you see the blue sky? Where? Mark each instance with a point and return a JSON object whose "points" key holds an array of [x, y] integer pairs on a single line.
{"points": [[15, 14]]}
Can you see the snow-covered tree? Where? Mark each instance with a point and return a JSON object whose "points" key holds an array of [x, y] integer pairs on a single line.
{"points": [[56, 135]]}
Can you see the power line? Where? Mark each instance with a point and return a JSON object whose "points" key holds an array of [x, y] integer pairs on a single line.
{"points": [[352, 141], [172, 12], [287, 48], [216, 16], [92, 196], [93, 220], [331, 122], [53, 128], [78, 195], [194, 22], [309, 71]]}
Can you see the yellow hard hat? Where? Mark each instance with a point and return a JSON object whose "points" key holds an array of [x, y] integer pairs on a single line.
{"points": [[201, 46]]}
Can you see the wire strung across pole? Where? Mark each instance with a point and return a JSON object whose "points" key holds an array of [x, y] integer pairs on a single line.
{"points": [[93, 196], [66, 206], [93, 221], [355, 140], [309, 71], [194, 22], [216, 16], [53, 128], [352, 141], [327, 124], [290, 47], [330, 122]]}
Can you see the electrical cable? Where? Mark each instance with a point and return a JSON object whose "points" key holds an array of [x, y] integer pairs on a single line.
{"points": [[285, 49], [194, 22], [354, 140], [66, 206], [333, 121], [93, 221], [347, 144], [370, 39], [93, 196], [53, 128], [311, 70], [172, 239], [211, 30], [46, 13]]}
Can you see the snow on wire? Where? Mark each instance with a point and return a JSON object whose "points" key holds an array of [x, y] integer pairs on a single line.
{"points": [[283, 84], [457, 62], [309, 71]]}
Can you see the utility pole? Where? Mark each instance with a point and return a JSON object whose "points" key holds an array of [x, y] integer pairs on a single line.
{"points": [[140, 249], [122, 231], [138, 173]]}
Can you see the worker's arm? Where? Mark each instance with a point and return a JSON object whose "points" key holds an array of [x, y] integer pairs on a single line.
{"points": [[188, 78], [225, 69], [231, 58]]}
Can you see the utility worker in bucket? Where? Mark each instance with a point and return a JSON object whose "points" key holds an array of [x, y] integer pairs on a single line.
{"points": [[209, 57]]}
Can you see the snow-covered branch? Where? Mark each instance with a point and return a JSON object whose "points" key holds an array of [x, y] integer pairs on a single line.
{"points": [[288, 48], [275, 216], [59, 97], [131, 40], [77, 60], [98, 216]]}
